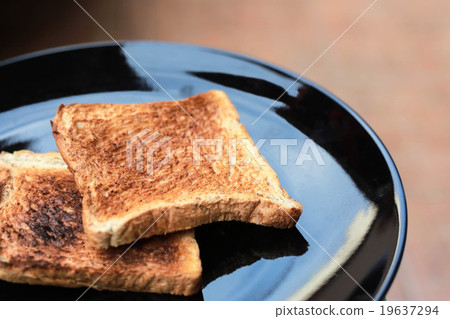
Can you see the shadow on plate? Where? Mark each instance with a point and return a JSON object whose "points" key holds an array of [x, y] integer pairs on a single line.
{"points": [[9, 146], [227, 246]]}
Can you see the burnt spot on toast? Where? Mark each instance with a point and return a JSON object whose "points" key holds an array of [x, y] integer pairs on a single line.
{"points": [[51, 211]]}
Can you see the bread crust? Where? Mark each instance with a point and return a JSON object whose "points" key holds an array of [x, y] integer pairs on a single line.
{"points": [[42, 239], [121, 201]]}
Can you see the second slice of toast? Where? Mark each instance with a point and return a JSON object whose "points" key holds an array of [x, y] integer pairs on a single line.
{"points": [[42, 239], [160, 167]]}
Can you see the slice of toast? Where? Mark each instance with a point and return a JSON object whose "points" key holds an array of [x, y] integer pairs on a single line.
{"points": [[168, 166], [42, 239]]}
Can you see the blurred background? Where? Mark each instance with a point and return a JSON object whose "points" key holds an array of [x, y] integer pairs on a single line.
{"points": [[392, 67]]}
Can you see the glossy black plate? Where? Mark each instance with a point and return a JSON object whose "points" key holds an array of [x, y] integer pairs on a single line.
{"points": [[354, 204]]}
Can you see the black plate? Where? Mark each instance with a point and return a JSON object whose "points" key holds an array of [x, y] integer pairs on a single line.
{"points": [[354, 205]]}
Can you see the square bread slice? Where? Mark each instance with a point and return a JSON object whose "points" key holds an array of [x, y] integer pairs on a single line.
{"points": [[42, 239], [156, 168]]}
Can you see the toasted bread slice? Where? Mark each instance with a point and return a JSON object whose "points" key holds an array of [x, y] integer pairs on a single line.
{"points": [[192, 163], [42, 239]]}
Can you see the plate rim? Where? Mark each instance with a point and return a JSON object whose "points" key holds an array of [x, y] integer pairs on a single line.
{"points": [[397, 181]]}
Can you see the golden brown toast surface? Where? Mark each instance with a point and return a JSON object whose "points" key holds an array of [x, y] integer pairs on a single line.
{"points": [[193, 185], [42, 239]]}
